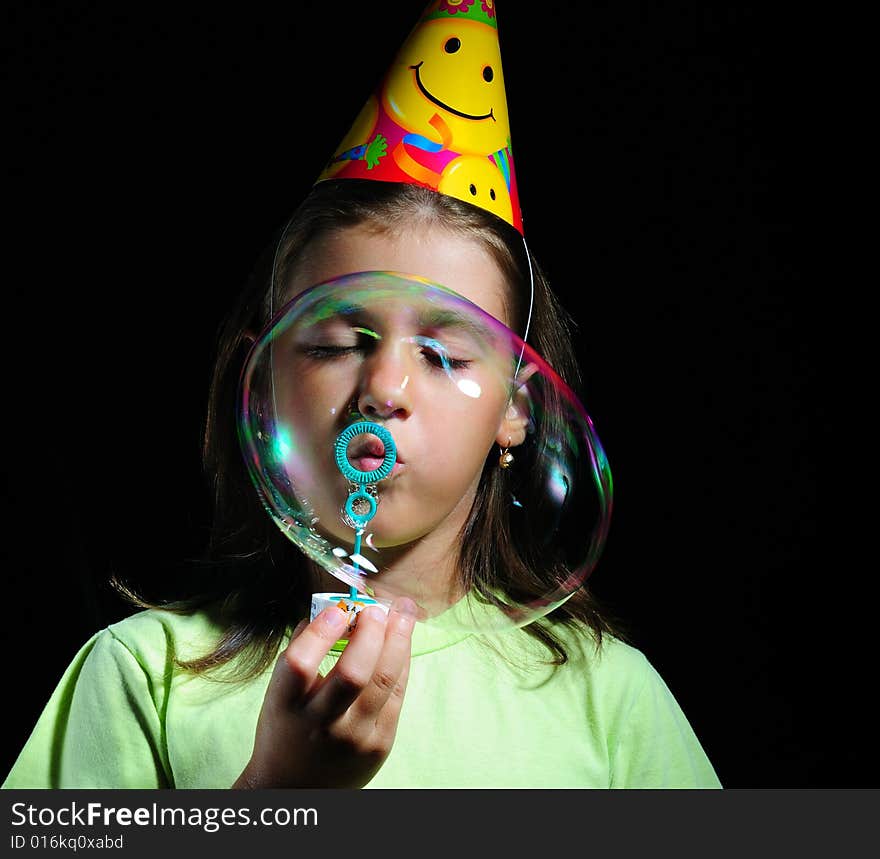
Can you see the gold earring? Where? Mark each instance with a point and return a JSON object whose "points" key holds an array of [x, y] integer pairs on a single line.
{"points": [[506, 458]]}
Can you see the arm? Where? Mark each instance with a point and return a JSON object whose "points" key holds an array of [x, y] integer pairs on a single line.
{"points": [[657, 748], [99, 729]]}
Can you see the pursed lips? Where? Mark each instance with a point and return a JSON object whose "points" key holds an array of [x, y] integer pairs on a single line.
{"points": [[369, 454]]}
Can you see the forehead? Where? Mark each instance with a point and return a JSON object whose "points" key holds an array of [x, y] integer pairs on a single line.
{"points": [[452, 260]]}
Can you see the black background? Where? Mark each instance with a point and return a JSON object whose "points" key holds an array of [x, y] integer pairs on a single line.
{"points": [[661, 155]]}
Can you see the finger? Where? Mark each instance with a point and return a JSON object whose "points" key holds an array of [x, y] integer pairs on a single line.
{"points": [[353, 669], [306, 650], [388, 680], [282, 673], [387, 718]]}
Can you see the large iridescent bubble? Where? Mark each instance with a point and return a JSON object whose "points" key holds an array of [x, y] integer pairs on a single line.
{"points": [[411, 444]]}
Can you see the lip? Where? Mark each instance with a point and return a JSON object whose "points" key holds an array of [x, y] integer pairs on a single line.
{"points": [[370, 446], [369, 454], [371, 463]]}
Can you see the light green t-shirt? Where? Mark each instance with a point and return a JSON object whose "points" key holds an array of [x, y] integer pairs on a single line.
{"points": [[123, 716]]}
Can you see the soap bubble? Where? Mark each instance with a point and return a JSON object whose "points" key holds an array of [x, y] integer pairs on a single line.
{"points": [[412, 445]]}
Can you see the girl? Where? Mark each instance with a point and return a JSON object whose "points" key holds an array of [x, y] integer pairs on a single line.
{"points": [[230, 686]]}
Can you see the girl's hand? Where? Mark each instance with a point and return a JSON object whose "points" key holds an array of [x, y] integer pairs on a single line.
{"points": [[333, 731]]}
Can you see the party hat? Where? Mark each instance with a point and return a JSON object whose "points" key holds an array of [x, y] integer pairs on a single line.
{"points": [[439, 117]]}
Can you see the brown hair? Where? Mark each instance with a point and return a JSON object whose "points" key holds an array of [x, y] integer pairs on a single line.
{"points": [[256, 583]]}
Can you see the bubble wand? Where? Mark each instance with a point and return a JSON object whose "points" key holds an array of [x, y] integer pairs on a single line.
{"points": [[360, 506], [363, 499]]}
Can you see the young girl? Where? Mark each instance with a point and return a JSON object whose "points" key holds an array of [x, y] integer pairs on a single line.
{"points": [[214, 691], [232, 686]]}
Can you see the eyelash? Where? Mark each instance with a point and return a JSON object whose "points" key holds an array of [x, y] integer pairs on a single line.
{"points": [[325, 352], [454, 363], [431, 356]]}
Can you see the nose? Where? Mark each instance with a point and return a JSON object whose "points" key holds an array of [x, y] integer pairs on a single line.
{"points": [[385, 377]]}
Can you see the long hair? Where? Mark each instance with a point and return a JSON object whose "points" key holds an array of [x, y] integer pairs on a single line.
{"points": [[252, 578]]}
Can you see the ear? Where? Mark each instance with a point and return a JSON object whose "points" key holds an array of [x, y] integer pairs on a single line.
{"points": [[512, 430]]}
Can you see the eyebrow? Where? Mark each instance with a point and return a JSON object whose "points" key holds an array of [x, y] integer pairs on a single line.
{"points": [[431, 318], [331, 311], [440, 318]]}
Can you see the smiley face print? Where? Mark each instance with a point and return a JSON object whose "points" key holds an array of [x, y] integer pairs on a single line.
{"points": [[447, 85]]}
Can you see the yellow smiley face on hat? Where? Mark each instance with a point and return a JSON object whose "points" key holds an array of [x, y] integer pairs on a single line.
{"points": [[451, 70], [477, 180]]}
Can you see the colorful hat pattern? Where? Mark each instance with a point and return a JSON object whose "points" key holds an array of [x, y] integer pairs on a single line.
{"points": [[439, 118]]}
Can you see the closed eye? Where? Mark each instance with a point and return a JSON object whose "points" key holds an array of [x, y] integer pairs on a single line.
{"points": [[363, 340], [437, 356], [325, 352], [442, 361], [432, 351]]}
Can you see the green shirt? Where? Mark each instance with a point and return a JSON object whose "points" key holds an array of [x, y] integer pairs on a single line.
{"points": [[124, 716]]}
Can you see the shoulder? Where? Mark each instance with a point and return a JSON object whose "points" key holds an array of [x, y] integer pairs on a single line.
{"points": [[609, 673], [606, 659], [617, 660], [607, 670], [619, 671], [156, 637], [651, 740]]}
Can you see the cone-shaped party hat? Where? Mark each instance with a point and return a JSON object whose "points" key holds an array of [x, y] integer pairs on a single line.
{"points": [[439, 117]]}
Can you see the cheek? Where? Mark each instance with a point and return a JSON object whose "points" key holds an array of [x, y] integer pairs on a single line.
{"points": [[458, 442], [472, 402], [310, 415], [314, 397]]}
